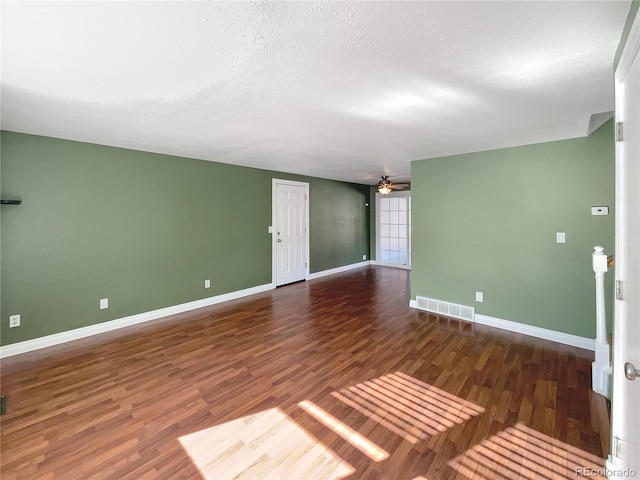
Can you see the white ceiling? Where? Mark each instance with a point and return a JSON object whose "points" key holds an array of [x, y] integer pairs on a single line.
{"points": [[347, 90]]}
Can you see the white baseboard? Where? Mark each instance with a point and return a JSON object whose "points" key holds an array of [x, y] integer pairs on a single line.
{"points": [[392, 265], [538, 332], [345, 268], [63, 337]]}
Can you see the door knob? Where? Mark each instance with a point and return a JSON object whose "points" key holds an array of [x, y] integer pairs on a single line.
{"points": [[630, 371]]}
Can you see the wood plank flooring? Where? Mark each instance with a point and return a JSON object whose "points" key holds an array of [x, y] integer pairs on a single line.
{"points": [[331, 378]]}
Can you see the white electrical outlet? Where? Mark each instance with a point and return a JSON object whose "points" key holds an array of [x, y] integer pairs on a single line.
{"points": [[561, 237], [207, 284], [14, 321], [479, 297], [364, 257], [104, 303]]}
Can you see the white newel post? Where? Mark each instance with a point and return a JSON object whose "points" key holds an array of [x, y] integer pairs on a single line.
{"points": [[601, 368]]}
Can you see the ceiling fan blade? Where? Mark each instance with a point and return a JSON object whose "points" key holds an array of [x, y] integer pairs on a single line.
{"points": [[400, 185]]}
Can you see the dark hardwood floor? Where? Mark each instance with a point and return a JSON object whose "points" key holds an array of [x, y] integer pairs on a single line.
{"points": [[331, 378]]}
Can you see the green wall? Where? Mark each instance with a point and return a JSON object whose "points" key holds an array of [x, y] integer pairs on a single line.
{"points": [[372, 223], [339, 222], [145, 230], [487, 222]]}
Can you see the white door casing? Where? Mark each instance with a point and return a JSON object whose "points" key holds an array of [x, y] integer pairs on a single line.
{"points": [[290, 231], [625, 413]]}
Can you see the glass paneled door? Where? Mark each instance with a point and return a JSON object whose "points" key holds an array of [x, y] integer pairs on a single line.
{"points": [[393, 229]]}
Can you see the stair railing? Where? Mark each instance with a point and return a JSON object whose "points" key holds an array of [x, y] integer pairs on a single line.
{"points": [[601, 367]]}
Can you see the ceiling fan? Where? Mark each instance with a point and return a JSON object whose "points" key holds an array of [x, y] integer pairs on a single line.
{"points": [[385, 186]]}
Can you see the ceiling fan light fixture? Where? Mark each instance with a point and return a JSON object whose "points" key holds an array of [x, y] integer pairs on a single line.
{"points": [[384, 185]]}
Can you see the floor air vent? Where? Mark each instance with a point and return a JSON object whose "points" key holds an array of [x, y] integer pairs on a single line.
{"points": [[446, 308]]}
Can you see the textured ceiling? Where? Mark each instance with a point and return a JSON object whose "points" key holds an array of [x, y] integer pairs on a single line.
{"points": [[347, 90]]}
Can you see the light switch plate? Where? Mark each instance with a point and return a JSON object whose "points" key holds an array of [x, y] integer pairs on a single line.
{"points": [[104, 303], [14, 321], [600, 210], [479, 297], [560, 237]]}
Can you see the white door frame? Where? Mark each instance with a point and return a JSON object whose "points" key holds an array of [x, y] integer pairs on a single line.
{"points": [[274, 201], [378, 242], [621, 414]]}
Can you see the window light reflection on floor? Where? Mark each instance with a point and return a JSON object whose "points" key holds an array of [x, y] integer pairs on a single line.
{"points": [[367, 447], [265, 445], [523, 453], [408, 407]]}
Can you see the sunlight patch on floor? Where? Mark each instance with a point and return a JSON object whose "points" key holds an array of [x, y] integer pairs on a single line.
{"points": [[363, 444], [408, 407], [523, 453], [265, 445]]}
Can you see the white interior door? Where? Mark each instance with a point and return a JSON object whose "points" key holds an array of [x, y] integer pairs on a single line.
{"points": [[290, 232], [625, 407]]}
